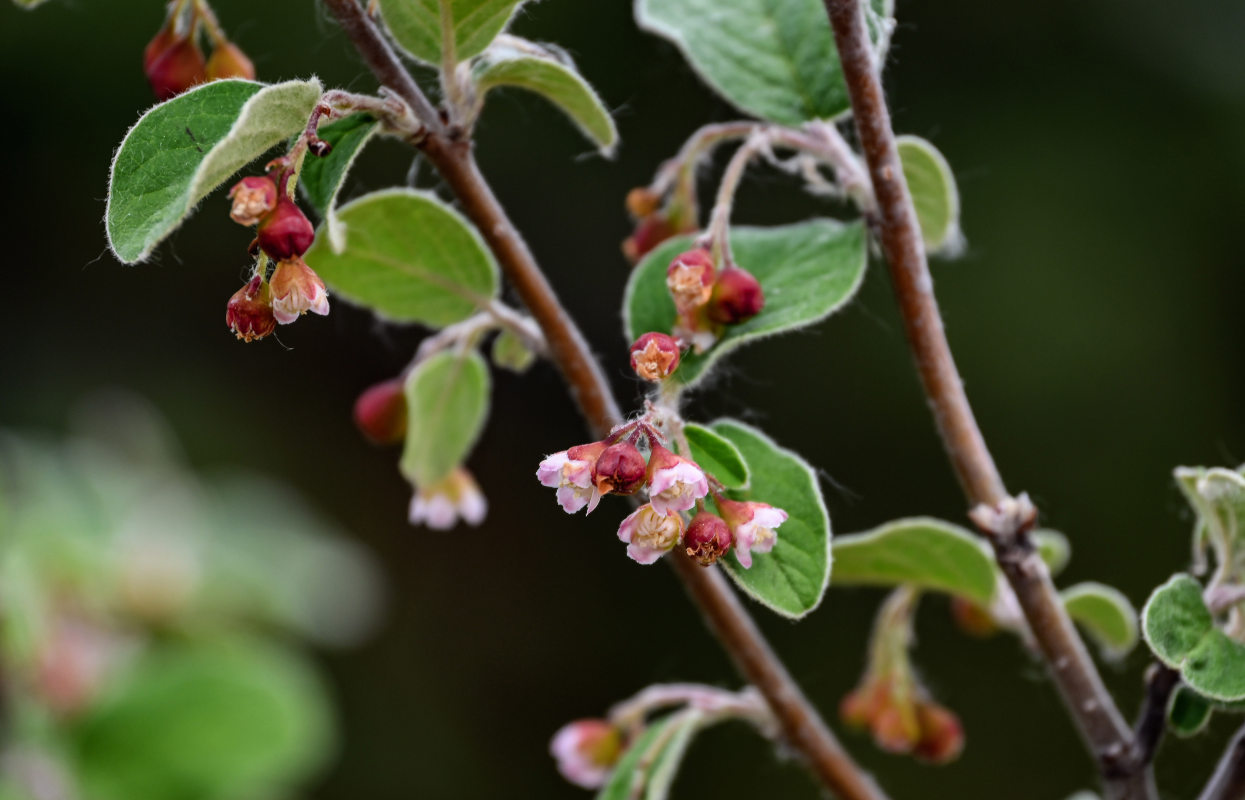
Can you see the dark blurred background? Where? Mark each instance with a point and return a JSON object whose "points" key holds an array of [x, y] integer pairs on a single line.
{"points": [[1095, 316]]}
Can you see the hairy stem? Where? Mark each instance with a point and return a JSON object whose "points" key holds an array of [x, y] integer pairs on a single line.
{"points": [[1228, 782], [736, 631], [1099, 721]]}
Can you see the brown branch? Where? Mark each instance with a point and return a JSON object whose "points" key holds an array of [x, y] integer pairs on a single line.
{"points": [[1161, 681], [725, 615], [1228, 782], [1088, 701]]}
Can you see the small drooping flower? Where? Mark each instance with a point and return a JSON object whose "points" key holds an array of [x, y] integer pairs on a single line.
{"points": [[442, 504], [249, 313], [737, 297], [285, 233], [654, 356], [176, 68], [674, 482], [707, 538], [380, 412], [643, 202], [253, 198], [942, 735], [620, 469], [690, 278], [586, 751], [570, 472], [650, 533], [228, 61], [297, 289], [752, 524]]}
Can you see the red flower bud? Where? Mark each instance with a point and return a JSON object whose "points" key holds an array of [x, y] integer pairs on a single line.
{"points": [[648, 234], [895, 729], [737, 297], [286, 232], [380, 412], [619, 469], [249, 312], [690, 279], [162, 41], [253, 198], [178, 68], [642, 202], [707, 538], [228, 61], [654, 356], [942, 736]]}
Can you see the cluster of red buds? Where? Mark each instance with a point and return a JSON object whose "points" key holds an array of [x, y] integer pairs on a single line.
{"points": [[674, 485], [283, 234], [903, 719], [174, 61], [707, 299], [653, 223]]}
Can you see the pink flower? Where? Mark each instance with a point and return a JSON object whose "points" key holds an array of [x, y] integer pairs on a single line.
{"points": [[570, 472], [296, 289], [587, 750], [674, 483], [650, 533], [441, 505], [752, 525]]}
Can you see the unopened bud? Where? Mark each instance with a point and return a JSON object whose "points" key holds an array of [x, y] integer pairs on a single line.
{"points": [[971, 618], [942, 735], [253, 198], [620, 469], [286, 232], [249, 312], [161, 42], [654, 356], [586, 751], [380, 412], [690, 279], [297, 289], [895, 729], [736, 297], [642, 202], [228, 61], [708, 538], [176, 69], [648, 234]]}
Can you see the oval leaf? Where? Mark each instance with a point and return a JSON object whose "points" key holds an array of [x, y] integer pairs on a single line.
{"points": [[182, 149], [447, 404], [408, 257], [791, 579], [416, 25], [808, 271], [774, 60], [1181, 631], [555, 79], [1105, 614], [934, 194], [1188, 712], [717, 456], [921, 551], [647, 767], [322, 178]]}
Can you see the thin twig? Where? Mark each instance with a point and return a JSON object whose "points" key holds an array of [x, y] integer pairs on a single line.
{"points": [[1091, 706], [1228, 782], [1161, 681]]}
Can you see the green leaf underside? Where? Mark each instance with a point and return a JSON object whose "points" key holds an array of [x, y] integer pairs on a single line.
{"points": [[1053, 549], [559, 83], [322, 178], [717, 456], [647, 767], [409, 258], [447, 404], [774, 59], [934, 193], [807, 271], [1188, 712], [1105, 614], [182, 149], [205, 720], [29, 4], [920, 551], [509, 352], [416, 25], [1181, 631], [792, 578]]}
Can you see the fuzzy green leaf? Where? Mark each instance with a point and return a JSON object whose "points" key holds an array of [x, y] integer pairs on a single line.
{"points": [[1188, 712], [647, 768], [552, 76], [1053, 549], [774, 60], [807, 271], [1181, 631], [934, 194], [791, 579], [408, 257], [447, 404], [717, 456], [921, 551], [1105, 614], [416, 25], [509, 352], [322, 178], [182, 149]]}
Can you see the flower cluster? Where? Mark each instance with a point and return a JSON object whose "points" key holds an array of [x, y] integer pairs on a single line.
{"points": [[674, 485], [707, 299], [903, 719], [174, 61], [653, 223]]}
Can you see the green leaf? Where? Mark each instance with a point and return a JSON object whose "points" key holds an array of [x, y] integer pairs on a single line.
{"points": [[416, 25], [647, 767], [717, 456], [29, 4], [1188, 712], [509, 352], [1053, 549], [774, 60], [214, 720], [182, 149], [792, 579], [322, 178], [447, 404], [408, 257], [552, 76], [921, 551], [1181, 631], [934, 194], [807, 271], [1105, 614]]}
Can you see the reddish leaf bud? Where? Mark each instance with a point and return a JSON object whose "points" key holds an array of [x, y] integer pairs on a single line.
{"points": [[690, 279], [297, 289], [380, 412], [620, 469], [228, 61], [942, 735], [642, 202], [178, 67], [286, 232], [737, 297], [249, 312], [253, 198], [708, 538], [654, 356]]}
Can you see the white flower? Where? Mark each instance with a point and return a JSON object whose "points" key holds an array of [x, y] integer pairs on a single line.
{"points": [[296, 289], [587, 751], [675, 484], [570, 472], [650, 533], [752, 525], [441, 505]]}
